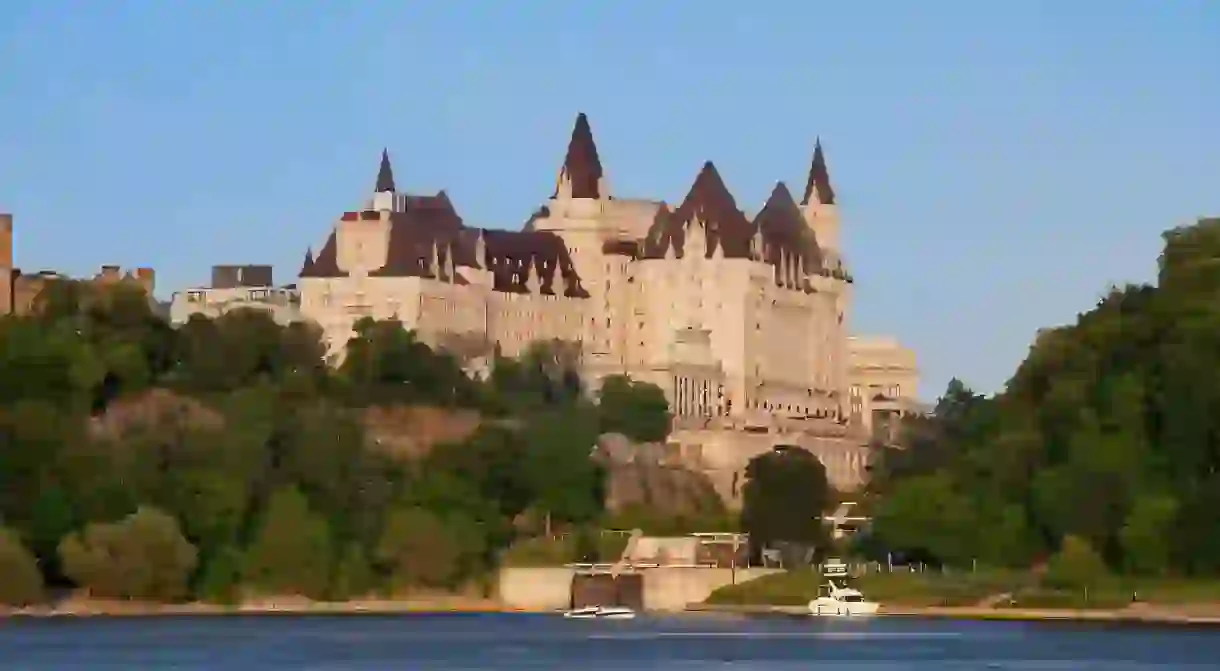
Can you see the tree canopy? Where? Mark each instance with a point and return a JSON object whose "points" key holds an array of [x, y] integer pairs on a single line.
{"points": [[226, 457], [786, 493], [1105, 442]]}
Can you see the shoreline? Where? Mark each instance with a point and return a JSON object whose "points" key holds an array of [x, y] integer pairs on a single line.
{"points": [[85, 608], [1184, 614]]}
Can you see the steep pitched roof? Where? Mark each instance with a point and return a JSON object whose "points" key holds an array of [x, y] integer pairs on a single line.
{"points": [[385, 174], [325, 264], [710, 202], [818, 185], [429, 225], [430, 229], [581, 166], [783, 229], [307, 266]]}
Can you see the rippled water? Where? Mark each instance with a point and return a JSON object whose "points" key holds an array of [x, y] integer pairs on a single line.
{"points": [[451, 642]]}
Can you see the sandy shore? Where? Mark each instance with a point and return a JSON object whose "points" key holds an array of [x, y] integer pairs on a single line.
{"points": [[1147, 613], [284, 606]]}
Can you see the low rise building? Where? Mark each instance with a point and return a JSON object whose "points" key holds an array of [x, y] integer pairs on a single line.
{"points": [[234, 287]]}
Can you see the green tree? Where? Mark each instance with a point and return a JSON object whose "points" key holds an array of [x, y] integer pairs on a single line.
{"points": [[22, 583], [291, 553], [1077, 565], [925, 516], [785, 495], [354, 575], [142, 556], [422, 549], [567, 486], [637, 410], [1146, 535]]}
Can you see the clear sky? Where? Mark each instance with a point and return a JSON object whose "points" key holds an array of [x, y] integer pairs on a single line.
{"points": [[997, 163]]}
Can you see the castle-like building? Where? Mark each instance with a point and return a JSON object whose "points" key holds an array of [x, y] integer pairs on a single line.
{"points": [[741, 320]]}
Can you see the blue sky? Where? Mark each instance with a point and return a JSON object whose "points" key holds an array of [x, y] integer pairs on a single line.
{"points": [[998, 164]]}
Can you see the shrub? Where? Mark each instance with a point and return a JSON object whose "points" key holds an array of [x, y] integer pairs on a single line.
{"points": [[142, 556], [20, 580]]}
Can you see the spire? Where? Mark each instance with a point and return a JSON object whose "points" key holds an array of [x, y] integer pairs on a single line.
{"points": [[819, 180], [385, 174], [582, 169], [307, 266]]}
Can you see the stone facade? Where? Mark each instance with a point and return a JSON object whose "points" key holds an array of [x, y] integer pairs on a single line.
{"points": [[883, 383], [741, 321], [233, 287]]}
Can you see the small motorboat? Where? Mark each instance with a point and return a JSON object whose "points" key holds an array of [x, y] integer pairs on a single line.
{"points": [[600, 613], [836, 599], [615, 613]]}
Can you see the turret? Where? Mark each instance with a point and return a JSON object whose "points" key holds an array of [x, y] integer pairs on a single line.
{"points": [[383, 191], [581, 185], [819, 207]]}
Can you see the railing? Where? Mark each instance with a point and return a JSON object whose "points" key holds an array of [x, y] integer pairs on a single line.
{"points": [[630, 567]]}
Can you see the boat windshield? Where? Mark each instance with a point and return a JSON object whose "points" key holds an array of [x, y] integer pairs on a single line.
{"points": [[852, 598]]}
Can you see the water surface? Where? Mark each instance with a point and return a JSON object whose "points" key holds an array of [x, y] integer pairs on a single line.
{"points": [[507, 642]]}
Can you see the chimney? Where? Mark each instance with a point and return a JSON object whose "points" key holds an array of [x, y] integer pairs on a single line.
{"points": [[6, 264], [6, 240]]}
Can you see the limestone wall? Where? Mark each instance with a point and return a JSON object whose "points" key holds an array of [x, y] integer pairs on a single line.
{"points": [[536, 588]]}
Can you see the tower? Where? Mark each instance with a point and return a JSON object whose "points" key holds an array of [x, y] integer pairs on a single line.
{"points": [[581, 176], [818, 206], [6, 264], [820, 210]]}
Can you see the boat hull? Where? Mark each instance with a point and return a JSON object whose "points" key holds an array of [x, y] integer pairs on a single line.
{"points": [[833, 608], [600, 614]]}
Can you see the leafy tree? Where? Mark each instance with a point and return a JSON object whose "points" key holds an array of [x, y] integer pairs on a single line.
{"points": [[421, 548], [565, 484], [291, 554], [786, 493], [1145, 537], [354, 575], [926, 517], [22, 582], [143, 556], [637, 410], [1076, 565]]}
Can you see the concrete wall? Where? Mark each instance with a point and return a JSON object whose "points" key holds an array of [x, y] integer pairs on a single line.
{"points": [[665, 589], [672, 589], [536, 588]]}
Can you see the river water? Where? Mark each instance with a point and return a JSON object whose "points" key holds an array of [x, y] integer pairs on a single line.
{"points": [[507, 642]]}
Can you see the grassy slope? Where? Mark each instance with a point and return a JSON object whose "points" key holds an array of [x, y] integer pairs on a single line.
{"points": [[970, 589]]}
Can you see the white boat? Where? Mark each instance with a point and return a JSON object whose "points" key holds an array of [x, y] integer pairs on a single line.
{"points": [[836, 599], [615, 613], [600, 613]]}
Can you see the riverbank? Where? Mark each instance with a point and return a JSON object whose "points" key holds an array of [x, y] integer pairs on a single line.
{"points": [[78, 607], [1192, 614]]}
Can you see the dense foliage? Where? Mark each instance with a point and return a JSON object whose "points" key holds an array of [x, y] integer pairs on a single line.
{"points": [[225, 458], [1103, 452], [785, 496]]}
